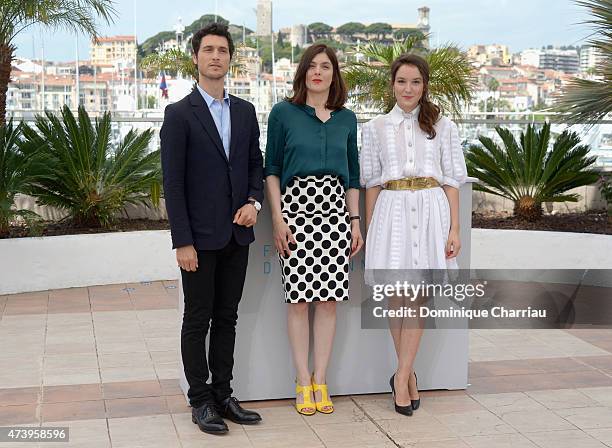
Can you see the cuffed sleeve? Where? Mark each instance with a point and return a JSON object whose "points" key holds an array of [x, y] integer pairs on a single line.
{"points": [[275, 145], [454, 171], [371, 169], [353, 157], [173, 137]]}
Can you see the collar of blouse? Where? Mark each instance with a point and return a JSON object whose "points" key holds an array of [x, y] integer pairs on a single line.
{"points": [[398, 116], [312, 111]]}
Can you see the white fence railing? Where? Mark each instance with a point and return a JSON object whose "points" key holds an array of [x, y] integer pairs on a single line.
{"points": [[471, 126]]}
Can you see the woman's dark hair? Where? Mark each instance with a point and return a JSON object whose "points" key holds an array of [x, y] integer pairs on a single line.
{"points": [[217, 29], [337, 91], [429, 113]]}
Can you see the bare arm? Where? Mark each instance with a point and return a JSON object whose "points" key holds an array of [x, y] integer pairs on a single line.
{"points": [[453, 244], [452, 195], [274, 196], [281, 233], [370, 201], [352, 203], [455, 174]]}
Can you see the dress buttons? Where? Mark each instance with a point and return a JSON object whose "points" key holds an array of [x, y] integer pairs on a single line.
{"points": [[409, 143], [416, 262], [415, 244], [410, 160], [413, 209], [414, 226]]}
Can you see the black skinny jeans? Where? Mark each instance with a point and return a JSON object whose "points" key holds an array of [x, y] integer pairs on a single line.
{"points": [[212, 294]]}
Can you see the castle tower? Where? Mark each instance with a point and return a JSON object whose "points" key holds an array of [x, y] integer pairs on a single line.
{"points": [[179, 29], [423, 22], [264, 17], [298, 35]]}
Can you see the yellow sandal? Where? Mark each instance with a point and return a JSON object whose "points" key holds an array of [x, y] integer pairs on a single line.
{"points": [[307, 404], [325, 401]]}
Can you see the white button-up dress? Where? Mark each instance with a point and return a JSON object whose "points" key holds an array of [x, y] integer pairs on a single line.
{"points": [[409, 229]]}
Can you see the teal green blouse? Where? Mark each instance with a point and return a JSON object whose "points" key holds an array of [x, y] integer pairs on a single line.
{"points": [[300, 144]]}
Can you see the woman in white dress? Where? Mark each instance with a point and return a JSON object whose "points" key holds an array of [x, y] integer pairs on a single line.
{"points": [[412, 166]]}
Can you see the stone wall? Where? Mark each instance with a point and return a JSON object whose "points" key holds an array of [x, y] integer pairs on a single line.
{"points": [[590, 199]]}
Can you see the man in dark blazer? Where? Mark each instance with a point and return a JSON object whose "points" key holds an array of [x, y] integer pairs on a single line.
{"points": [[213, 187]]}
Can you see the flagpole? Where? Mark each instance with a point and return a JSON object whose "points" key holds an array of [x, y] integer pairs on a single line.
{"points": [[135, 61], [42, 84], [78, 81], [273, 69], [97, 101], [257, 73], [163, 86]]}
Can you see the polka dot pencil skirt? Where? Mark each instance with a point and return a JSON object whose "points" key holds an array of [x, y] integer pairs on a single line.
{"points": [[314, 207]]}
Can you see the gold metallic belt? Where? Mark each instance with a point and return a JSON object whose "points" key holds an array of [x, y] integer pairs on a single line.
{"points": [[412, 183]]}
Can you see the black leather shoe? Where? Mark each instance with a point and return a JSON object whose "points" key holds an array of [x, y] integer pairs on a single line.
{"points": [[415, 403], [208, 419], [230, 409], [404, 410]]}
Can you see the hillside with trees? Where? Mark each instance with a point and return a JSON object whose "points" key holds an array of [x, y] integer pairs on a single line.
{"points": [[152, 43]]}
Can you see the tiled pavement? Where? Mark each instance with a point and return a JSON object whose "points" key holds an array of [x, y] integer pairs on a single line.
{"points": [[103, 361]]}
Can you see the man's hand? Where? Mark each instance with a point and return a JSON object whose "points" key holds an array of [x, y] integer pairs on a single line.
{"points": [[187, 258], [246, 216]]}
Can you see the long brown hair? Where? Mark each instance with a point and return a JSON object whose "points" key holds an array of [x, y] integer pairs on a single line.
{"points": [[429, 113], [337, 91]]}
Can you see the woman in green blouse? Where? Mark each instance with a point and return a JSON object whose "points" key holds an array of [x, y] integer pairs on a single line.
{"points": [[311, 161]]}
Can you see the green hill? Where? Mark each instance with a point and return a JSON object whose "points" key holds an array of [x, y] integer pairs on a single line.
{"points": [[153, 42]]}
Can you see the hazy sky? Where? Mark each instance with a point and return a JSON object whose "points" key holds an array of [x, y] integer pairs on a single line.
{"points": [[519, 24]]}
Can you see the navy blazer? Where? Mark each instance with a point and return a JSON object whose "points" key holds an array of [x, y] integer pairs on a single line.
{"points": [[202, 188]]}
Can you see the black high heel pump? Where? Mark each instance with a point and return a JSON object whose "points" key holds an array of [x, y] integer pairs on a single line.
{"points": [[415, 403], [404, 410]]}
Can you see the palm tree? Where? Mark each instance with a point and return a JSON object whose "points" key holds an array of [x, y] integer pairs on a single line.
{"points": [[17, 15], [493, 86], [86, 175], [529, 174], [451, 79], [590, 100], [178, 61], [16, 175], [173, 60]]}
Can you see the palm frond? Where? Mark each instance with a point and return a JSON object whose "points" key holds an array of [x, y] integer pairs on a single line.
{"points": [[451, 79], [87, 176], [586, 100], [173, 61], [73, 15], [177, 61], [531, 168], [601, 10], [17, 172], [78, 16], [590, 100]]}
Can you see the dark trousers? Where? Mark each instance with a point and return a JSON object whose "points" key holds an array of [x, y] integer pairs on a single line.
{"points": [[212, 294]]}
